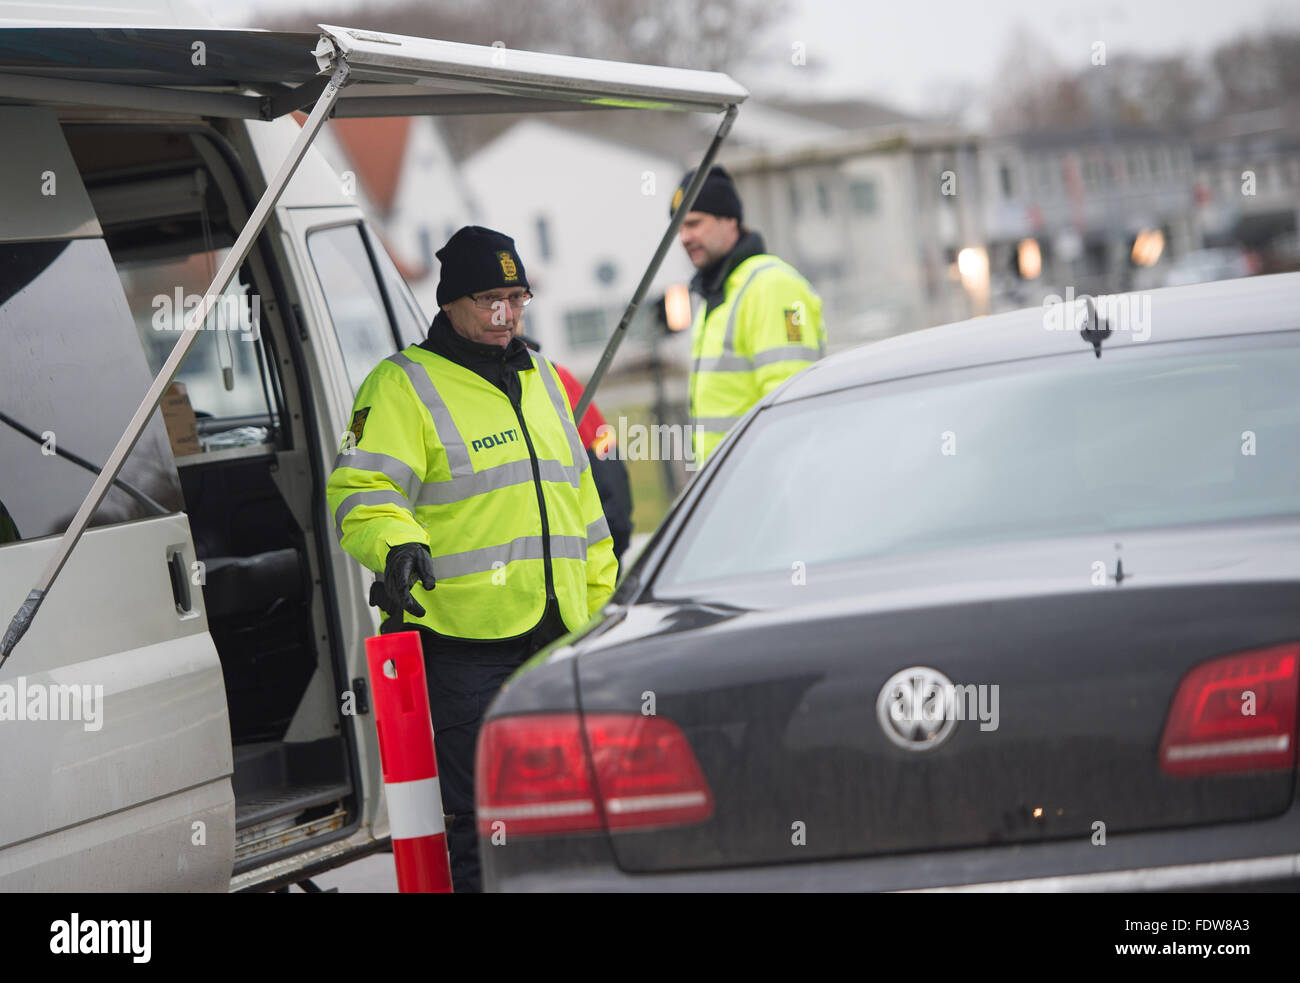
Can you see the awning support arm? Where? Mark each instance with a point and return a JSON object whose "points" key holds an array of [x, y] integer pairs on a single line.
{"points": [[193, 325], [688, 199], [285, 100]]}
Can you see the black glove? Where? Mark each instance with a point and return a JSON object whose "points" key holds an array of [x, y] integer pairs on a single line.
{"points": [[405, 565]]}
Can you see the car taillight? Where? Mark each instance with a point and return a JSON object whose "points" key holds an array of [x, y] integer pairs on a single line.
{"points": [[646, 772], [534, 774], [1235, 714]]}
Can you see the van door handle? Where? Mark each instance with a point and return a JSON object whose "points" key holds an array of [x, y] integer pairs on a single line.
{"points": [[180, 583]]}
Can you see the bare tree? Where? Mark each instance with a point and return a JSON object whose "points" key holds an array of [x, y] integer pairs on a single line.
{"points": [[1165, 91], [1258, 72], [1172, 91], [716, 35]]}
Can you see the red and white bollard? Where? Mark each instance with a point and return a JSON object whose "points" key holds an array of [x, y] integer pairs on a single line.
{"points": [[409, 763]]}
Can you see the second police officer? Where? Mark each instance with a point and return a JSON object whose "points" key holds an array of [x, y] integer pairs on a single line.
{"points": [[760, 323]]}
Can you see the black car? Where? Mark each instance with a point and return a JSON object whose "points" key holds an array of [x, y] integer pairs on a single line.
{"points": [[1007, 604]]}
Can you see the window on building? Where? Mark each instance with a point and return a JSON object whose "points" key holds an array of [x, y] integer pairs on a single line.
{"points": [[585, 328], [823, 198], [426, 247], [863, 193], [1137, 166], [1004, 178], [1049, 174], [796, 206], [1160, 161], [543, 237]]}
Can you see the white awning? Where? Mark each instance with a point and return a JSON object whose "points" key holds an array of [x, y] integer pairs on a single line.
{"points": [[346, 72], [264, 74]]}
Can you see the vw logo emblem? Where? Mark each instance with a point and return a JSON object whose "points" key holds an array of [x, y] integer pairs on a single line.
{"points": [[915, 708]]}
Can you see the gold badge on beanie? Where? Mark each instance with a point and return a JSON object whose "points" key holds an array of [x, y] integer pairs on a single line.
{"points": [[507, 266]]}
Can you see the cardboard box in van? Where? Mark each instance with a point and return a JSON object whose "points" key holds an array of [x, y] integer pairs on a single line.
{"points": [[178, 418]]}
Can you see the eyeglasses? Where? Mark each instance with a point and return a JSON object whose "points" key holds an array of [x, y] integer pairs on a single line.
{"points": [[517, 301]]}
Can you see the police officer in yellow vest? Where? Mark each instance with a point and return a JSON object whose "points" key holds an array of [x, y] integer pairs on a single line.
{"points": [[463, 479], [760, 322]]}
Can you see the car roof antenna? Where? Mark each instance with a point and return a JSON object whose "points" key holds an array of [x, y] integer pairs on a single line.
{"points": [[1095, 328]]}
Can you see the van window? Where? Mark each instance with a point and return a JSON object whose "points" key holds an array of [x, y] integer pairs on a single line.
{"points": [[71, 377], [161, 292], [355, 299], [412, 323]]}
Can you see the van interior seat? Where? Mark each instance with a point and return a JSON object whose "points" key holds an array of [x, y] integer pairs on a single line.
{"points": [[257, 591], [250, 585]]}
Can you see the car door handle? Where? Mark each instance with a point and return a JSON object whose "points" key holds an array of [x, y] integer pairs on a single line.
{"points": [[180, 583]]}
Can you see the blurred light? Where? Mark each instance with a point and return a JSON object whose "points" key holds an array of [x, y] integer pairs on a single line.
{"points": [[677, 306], [603, 443], [1030, 258], [1038, 812], [1148, 246], [973, 265]]}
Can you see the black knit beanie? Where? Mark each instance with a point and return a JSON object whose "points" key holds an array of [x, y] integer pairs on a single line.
{"points": [[718, 196], [477, 259]]}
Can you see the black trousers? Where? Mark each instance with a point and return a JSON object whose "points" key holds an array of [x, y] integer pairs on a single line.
{"points": [[463, 678]]}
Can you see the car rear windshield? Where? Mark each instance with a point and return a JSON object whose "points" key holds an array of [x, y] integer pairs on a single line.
{"points": [[1143, 437]]}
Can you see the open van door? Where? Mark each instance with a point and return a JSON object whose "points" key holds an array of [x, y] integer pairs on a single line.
{"points": [[225, 623], [113, 723]]}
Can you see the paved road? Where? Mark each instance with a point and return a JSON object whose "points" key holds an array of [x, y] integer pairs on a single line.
{"points": [[374, 874]]}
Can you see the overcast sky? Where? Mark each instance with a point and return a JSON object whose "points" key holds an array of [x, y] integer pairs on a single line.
{"points": [[908, 52]]}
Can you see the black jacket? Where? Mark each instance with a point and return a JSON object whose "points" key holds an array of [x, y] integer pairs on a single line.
{"points": [[497, 364], [711, 282]]}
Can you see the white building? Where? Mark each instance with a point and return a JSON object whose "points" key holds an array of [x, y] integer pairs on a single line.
{"points": [[406, 180], [586, 213], [1248, 181], [873, 207], [1083, 195]]}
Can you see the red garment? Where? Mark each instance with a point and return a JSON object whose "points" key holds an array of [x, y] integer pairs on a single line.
{"points": [[591, 420]]}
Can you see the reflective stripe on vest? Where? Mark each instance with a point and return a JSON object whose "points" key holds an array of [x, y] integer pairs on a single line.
{"points": [[716, 424], [561, 405], [465, 482], [598, 530], [487, 558], [729, 360], [480, 504]]}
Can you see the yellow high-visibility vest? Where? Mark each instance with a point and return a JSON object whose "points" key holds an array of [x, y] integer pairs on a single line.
{"points": [[438, 455], [768, 327]]}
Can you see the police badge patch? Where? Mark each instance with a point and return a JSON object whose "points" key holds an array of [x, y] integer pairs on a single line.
{"points": [[678, 195], [793, 320], [508, 268], [358, 424]]}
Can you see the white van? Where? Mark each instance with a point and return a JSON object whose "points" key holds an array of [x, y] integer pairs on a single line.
{"points": [[187, 709]]}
